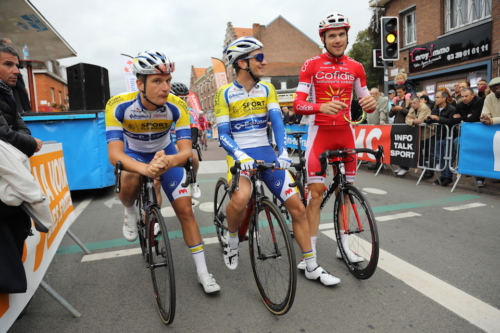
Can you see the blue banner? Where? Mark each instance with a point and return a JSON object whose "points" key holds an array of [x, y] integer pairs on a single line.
{"points": [[479, 151], [291, 142]]}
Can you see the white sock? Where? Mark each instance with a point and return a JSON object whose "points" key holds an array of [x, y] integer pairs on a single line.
{"points": [[345, 240], [131, 209], [313, 244], [199, 258], [233, 240], [310, 259]]}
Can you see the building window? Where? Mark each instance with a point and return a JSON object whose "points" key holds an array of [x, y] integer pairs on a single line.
{"points": [[60, 97], [52, 94], [459, 13], [410, 28]]}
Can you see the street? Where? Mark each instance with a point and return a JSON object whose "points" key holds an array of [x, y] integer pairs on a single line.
{"points": [[437, 270]]}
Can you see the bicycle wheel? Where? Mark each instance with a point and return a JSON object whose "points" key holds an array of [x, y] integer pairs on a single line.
{"points": [[162, 267], [362, 231], [141, 230], [221, 199], [272, 258]]}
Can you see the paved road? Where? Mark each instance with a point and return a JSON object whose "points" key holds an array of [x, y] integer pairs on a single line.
{"points": [[437, 271]]}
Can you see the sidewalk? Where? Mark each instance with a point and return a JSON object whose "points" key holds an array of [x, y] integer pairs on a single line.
{"points": [[465, 183]]}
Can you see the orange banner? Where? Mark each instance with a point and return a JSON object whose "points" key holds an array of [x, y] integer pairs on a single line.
{"points": [[193, 101], [219, 72]]}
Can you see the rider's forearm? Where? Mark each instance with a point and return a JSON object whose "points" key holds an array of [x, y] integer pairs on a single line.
{"points": [[278, 130], [225, 139], [300, 105]]}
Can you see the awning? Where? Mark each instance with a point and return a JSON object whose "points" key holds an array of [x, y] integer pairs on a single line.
{"points": [[22, 23]]}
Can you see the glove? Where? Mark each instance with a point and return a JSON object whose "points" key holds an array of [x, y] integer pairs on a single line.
{"points": [[284, 161], [246, 161]]}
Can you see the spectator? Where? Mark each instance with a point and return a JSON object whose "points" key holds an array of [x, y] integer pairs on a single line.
{"points": [[20, 95], [480, 84], [15, 224], [426, 100], [390, 97], [293, 118], [285, 116], [491, 109], [418, 112], [450, 99], [430, 102], [471, 106], [379, 116], [442, 112], [399, 111], [401, 79], [482, 91], [456, 94]]}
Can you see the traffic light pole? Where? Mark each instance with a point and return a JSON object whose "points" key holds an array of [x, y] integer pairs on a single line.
{"points": [[386, 79]]}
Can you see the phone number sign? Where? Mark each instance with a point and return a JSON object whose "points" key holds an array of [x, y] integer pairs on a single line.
{"points": [[463, 46]]}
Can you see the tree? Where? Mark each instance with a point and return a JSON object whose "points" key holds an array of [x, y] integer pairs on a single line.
{"points": [[362, 51]]}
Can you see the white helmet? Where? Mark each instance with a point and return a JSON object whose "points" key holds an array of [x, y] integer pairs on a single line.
{"points": [[240, 47], [152, 62], [334, 21]]}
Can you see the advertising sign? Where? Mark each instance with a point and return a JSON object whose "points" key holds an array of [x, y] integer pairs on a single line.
{"points": [[470, 44]]}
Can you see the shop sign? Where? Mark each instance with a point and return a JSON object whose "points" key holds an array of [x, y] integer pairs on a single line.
{"points": [[377, 59], [467, 45]]}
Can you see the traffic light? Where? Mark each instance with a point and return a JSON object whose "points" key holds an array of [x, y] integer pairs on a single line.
{"points": [[390, 44]]}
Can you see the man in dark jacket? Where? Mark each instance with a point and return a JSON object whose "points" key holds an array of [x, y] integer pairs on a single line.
{"points": [[14, 221], [442, 114]]}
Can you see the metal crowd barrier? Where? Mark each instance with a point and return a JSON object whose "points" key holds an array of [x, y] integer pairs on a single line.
{"points": [[431, 149]]}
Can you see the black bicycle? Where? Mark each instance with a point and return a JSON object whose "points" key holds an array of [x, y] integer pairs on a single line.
{"points": [[156, 248], [271, 250], [352, 212]]}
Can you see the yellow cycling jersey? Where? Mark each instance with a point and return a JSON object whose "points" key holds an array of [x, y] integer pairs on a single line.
{"points": [[246, 112], [142, 130]]}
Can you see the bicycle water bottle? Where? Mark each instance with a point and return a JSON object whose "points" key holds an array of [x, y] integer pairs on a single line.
{"points": [[26, 52]]}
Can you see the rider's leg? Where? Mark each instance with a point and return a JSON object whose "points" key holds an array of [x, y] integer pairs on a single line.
{"points": [[313, 210], [235, 210], [129, 192]]}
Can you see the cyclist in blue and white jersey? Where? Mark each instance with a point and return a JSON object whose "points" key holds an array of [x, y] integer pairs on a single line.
{"points": [[137, 132]]}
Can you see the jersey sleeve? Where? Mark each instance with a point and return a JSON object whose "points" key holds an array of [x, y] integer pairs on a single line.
{"points": [[360, 84], [182, 120], [300, 104], [274, 111], [221, 109], [114, 118]]}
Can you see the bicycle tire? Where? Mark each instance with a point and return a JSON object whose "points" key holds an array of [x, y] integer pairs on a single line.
{"points": [[221, 199], [272, 258], [141, 230], [365, 242], [161, 266]]}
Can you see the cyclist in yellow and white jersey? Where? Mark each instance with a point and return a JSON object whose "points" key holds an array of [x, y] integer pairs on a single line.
{"points": [[242, 110], [138, 134]]}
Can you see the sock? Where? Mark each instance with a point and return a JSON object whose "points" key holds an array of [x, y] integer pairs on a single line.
{"points": [[313, 244], [131, 209], [199, 258], [345, 240], [233, 240], [310, 259]]}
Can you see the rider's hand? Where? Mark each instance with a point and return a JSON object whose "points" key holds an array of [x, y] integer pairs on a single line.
{"points": [[284, 161], [332, 107], [368, 103], [246, 161]]}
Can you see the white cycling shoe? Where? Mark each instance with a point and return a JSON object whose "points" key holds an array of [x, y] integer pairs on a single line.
{"points": [[208, 282], [302, 265], [353, 257], [157, 229], [196, 190], [326, 278], [130, 226], [231, 258]]}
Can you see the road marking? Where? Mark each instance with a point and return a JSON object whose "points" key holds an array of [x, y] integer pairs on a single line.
{"points": [[111, 255], [211, 240], [396, 216], [109, 203], [466, 306], [82, 205], [167, 211], [467, 206], [325, 226], [207, 207], [374, 190]]}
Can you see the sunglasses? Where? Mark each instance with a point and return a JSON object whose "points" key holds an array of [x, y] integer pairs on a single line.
{"points": [[259, 57]]}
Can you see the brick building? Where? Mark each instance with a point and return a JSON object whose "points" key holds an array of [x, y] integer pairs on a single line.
{"points": [[286, 48], [51, 88], [445, 41]]}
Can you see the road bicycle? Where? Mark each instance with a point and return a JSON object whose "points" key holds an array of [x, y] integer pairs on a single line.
{"points": [[203, 139], [271, 251], [197, 147], [156, 248], [352, 211]]}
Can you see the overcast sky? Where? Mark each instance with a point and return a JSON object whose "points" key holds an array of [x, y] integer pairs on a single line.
{"points": [[189, 31]]}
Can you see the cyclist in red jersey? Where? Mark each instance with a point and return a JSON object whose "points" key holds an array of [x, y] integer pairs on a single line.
{"points": [[329, 81]]}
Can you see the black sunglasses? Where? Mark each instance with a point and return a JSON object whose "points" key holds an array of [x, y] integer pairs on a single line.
{"points": [[259, 57]]}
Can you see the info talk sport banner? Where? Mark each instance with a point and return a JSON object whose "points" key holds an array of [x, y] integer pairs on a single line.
{"points": [[48, 168], [400, 142]]}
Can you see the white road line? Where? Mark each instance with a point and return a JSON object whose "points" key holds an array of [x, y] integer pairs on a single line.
{"points": [[111, 255], [466, 306], [467, 206], [326, 226], [82, 205], [396, 216], [211, 240]]}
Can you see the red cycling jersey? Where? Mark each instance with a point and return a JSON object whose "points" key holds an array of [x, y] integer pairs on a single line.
{"points": [[326, 78], [203, 123]]}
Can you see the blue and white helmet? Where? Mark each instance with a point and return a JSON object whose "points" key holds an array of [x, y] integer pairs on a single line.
{"points": [[240, 47], [152, 62]]}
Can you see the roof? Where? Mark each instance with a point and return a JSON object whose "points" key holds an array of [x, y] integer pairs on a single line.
{"points": [[283, 69], [243, 32], [284, 19], [199, 72]]}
